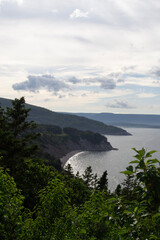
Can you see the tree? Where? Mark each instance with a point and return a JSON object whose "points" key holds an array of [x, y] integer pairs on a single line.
{"points": [[103, 182], [11, 206], [16, 135], [88, 176], [147, 177]]}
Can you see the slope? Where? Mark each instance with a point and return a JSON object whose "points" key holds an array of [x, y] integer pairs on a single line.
{"points": [[44, 116], [127, 120]]}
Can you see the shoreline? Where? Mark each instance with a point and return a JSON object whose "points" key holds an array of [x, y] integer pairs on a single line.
{"points": [[65, 158]]}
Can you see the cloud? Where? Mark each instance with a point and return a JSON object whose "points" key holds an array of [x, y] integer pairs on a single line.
{"points": [[82, 39], [19, 2], [156, 72], [77, 13], [107, 84], [103, 82], [119, 104], [146, 95], [74, 80], [36, 83], [120, 80], [54, 10]]}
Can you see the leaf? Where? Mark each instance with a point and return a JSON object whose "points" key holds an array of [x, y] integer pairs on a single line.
{"points": [[127, 212], [137, 156], [135, 161], [130, 168], [157, 215], [136, 208], [82, 231], [151, 161], [135, 150], [142, 152], [127, 172], [149, 154]]}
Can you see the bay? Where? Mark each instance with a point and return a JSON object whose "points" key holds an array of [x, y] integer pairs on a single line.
{"points": [[116, 161]]}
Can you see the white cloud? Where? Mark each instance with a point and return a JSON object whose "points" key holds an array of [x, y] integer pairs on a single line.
{"points": [[146, 95], [19, 2], [117, 103], [104, 45], [77, 13], [54, 10]]}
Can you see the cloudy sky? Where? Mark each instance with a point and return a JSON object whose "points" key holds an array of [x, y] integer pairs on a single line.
{"points": [[82, 55]]}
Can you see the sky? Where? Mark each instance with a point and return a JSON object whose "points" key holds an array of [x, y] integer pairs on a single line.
{"points": [[82, 55]]}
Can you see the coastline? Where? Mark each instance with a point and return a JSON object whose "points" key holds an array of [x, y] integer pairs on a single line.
{"points": [[65, 158]]}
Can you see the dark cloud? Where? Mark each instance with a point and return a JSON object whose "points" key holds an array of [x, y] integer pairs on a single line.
{"points": [[74, 80], [128, 68], [105, 82], [61, 96], [108, 84], [36, 83], [156, 73], [119, 104], [120, 80], [71, 95]]}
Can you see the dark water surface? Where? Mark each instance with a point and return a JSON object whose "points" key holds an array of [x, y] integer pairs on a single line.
{"points": [[116, 161]]}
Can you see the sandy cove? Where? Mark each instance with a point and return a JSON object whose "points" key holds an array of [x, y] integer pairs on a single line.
{"points": [[65, 158]]}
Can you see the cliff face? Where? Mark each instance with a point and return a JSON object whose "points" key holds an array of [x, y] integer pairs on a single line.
{"points": [[58, 151], [70, 139]]}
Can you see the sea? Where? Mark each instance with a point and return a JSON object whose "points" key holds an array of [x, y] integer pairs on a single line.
{"points": [[115, 161]]}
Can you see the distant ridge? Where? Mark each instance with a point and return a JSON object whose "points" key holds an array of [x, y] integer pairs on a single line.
{"points": [[125, 120], [44, 116]]}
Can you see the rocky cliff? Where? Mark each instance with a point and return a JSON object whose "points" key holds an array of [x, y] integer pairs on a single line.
{"points": [[59, 145]]}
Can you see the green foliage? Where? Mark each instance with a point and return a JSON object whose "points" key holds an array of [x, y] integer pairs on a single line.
{"points": [[52, 209], [75, 134], [15, 136], [52, 129], [88, 176], [95, 138], [11, 206], [103, 182], [61, 206], [147, 177]]}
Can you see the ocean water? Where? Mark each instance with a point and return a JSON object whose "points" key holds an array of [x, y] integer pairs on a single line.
{"points": [[116, 161]]}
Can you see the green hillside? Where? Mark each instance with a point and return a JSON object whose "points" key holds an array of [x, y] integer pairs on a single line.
{"points": [[44, 116]]}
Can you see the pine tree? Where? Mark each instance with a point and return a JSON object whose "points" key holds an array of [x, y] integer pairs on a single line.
{"points": [[88, 176], [15, 135], [103, 182]]}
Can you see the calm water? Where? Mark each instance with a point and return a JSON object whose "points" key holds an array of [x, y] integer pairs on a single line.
{"points": [[116, 161]]}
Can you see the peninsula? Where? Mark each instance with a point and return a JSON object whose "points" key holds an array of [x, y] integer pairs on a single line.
{"points": [[57, 143]]}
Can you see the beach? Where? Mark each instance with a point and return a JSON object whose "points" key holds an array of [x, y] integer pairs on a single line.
{"points": [[65, 158]]}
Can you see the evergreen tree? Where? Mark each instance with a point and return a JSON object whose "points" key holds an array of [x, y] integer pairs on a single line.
{"points": [[103, 182], [16, 135], [88, 176]]}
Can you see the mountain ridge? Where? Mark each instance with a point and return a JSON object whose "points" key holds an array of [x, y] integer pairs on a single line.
{"points": [[44, 116], [125, 120]]}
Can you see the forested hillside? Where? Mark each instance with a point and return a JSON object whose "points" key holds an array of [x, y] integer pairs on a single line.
{"points": [[55, 142], [45, 116], [39, 203]]}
